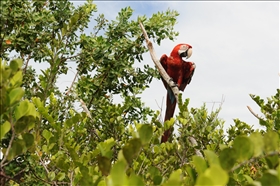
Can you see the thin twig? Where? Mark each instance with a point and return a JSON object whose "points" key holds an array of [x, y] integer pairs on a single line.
{"points": [[3, 175], [251, 110], [26, 64], [2, 164], [161, 70], [141, 165], [88, 114], [69, 90]]}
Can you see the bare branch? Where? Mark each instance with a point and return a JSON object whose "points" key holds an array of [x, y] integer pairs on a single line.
{"points": [[69, 90], [2, 164], [88, 114], [161, 70], [256, 115]]}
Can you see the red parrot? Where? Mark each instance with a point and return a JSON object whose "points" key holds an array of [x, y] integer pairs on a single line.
{"points": [[181, 73]]}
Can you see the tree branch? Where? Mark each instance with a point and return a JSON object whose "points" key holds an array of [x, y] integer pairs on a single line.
{"points": [[256, 115], [2, 164], [69, 90], [161, 70]]}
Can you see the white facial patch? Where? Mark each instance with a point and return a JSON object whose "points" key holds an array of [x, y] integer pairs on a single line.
{"points": [[183, 48]]}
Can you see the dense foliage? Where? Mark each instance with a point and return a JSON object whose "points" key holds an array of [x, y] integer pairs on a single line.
{"points": [[46, 140]]}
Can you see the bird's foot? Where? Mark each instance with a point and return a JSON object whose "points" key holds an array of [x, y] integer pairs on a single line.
{"points": [[173, 83]]}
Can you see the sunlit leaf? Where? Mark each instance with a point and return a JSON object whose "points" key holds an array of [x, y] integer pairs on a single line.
{"points": [[243, 147], [4, 129], [118, 175], [271, 141], [47, 135], [211, 157], [145, 133], [105, 147], [200, 164], [135, 180], [175, 178], [257, 139], [15, 95]]}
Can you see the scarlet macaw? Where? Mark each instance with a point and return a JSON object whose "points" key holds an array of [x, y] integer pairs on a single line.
{"points": [[181, 73]]}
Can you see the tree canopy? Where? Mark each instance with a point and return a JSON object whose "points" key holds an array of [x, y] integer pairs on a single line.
{"points": [[46, 140]]}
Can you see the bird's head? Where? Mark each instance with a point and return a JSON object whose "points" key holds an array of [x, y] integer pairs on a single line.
{"points": [[183, 50]]}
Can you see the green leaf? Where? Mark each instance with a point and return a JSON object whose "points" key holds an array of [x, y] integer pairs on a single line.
{"points": [[145, 133], [44, 111], [104, 164], [4, 129], [211, 157], [28, 139], [272, 161], [135, 180], [105, 147], [200, 164], [227, 158], [216, 174], [118, 175], [169, 123], [270, 178], [204, 180], [60, 176], [47, 135], [191, 172], [154, 171], [248, 178], [131, 149], [22, 109], [16, 64], [73, 20], [16, 80], [15, 95], [278, 172], [24, 123], [257, 140], [62, 163], [17, 148], [157, 180], [51, 175], [271, 141], [175, 178], [243, 147]]}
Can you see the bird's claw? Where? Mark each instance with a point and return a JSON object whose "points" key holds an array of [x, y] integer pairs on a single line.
{"points": [[173, 83]]}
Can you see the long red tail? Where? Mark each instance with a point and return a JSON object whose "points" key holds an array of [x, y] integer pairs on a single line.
{"points": [[170, 108]]}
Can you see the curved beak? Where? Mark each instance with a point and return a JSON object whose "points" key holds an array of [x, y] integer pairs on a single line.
{"points": [[185, 53], [189, 53]]}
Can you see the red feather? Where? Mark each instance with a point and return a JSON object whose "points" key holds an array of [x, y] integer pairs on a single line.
{"points": [[181, 72]]}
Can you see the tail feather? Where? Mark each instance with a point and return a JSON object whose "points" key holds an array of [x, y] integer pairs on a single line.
{"points": [[170, 108]]}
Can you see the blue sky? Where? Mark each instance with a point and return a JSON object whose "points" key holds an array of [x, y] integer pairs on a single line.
{"points": [[235, 48]]}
